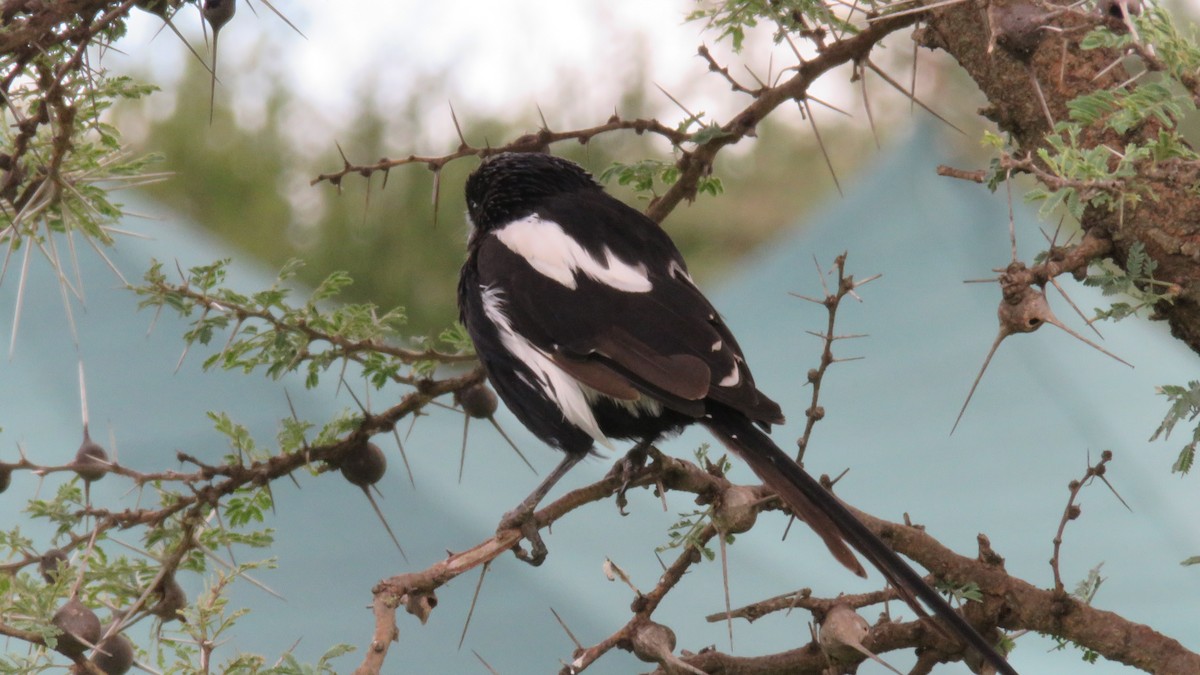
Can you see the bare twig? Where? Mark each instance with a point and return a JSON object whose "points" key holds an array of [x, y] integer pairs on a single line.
{"points": [[1072, 511]]}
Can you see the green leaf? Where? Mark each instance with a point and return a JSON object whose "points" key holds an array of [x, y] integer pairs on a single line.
{"points": [[1087, 588], [1184, 405], [331, 286], [708, 133], [1185, 460]]}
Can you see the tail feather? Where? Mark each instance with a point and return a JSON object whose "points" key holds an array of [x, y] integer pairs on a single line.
{"points": [[839, 528]]}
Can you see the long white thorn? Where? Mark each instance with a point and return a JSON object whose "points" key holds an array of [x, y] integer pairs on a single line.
{"points": [[12, 340], [1055, 322], [991, 352]]}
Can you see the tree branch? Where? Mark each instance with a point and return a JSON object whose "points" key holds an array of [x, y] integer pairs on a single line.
{"points": [[1168, 225]]}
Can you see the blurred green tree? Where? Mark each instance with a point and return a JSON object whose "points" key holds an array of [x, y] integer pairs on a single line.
{"points": [[257, 195]]}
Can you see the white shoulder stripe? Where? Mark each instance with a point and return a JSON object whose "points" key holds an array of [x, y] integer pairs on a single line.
{"points": [[553, 381], [676, 270], [732, 379], [550, 251]]}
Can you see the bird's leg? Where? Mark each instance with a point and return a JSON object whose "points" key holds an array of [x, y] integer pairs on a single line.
{"points": [[522, 517], [627, 467]]}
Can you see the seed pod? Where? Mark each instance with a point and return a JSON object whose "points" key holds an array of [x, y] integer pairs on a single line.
{"points": [[114, 655], [736, 512], [79, 625], [841, 630], [91, 461], [218, 12], [478, 401], [50, 565], [171, 599], [653, 642], [364, 465], [842, 634], [1019, 28]]}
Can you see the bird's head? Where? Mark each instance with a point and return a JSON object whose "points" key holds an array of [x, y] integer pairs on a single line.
{"points": [[512, 185]]}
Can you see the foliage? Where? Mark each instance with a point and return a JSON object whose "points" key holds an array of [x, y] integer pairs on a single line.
{"points": [[1160, 96], [694, 529], [109, 572], [1085, 591], [1110, 177], [1136, 282], [734, 19], [264, 330], [642, 175], [1185, 406], [74, 191]]}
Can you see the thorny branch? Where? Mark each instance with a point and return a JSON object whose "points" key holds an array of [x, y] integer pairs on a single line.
{"points": [[206, 491], [403, 590], [31, 30], [537, 141], [695, 163], [803, 599], [846, 284], [1006, 162], [344, 347], [1072, 511], [1007, 602], [1051, 55], [1071, 260]]}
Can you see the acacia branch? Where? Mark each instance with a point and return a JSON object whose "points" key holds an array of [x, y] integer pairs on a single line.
{"points": [[345, 346], [804, 599], [205, 492], [1166, 225], [645, 604], [1015, 604], [1008, 602], [697, 163], [831, 301], [885, 636], [663, 471], [537, 141], [693, 164], [32, 29]]}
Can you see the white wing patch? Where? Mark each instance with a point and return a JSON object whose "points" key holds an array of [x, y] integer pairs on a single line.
{"points": [[642, 405], [563, 389], [732, 379], [550, 251], [676, 270]]}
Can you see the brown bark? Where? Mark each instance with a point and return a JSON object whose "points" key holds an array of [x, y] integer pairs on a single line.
{"points": [[1167, 218]]}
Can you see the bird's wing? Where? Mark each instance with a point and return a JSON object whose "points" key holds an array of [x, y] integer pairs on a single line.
{"points": [[603, 291]]}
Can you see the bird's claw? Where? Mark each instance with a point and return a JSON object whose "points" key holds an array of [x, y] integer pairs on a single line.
{"points": [[627, 469], [522, 518]]}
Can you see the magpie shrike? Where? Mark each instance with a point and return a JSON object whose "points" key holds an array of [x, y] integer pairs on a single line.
{"points": [[590, 328]]}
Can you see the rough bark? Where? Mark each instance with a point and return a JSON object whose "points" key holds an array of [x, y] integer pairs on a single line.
{"points": [[1167, 220]]}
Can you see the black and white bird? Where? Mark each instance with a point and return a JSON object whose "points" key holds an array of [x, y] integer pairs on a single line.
{"points": [[590, 329]]}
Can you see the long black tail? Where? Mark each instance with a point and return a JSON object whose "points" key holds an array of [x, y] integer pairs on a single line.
{"points": [[837, 527]]}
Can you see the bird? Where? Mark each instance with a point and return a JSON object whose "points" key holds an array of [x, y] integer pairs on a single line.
{"points": [[590, 329]]}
